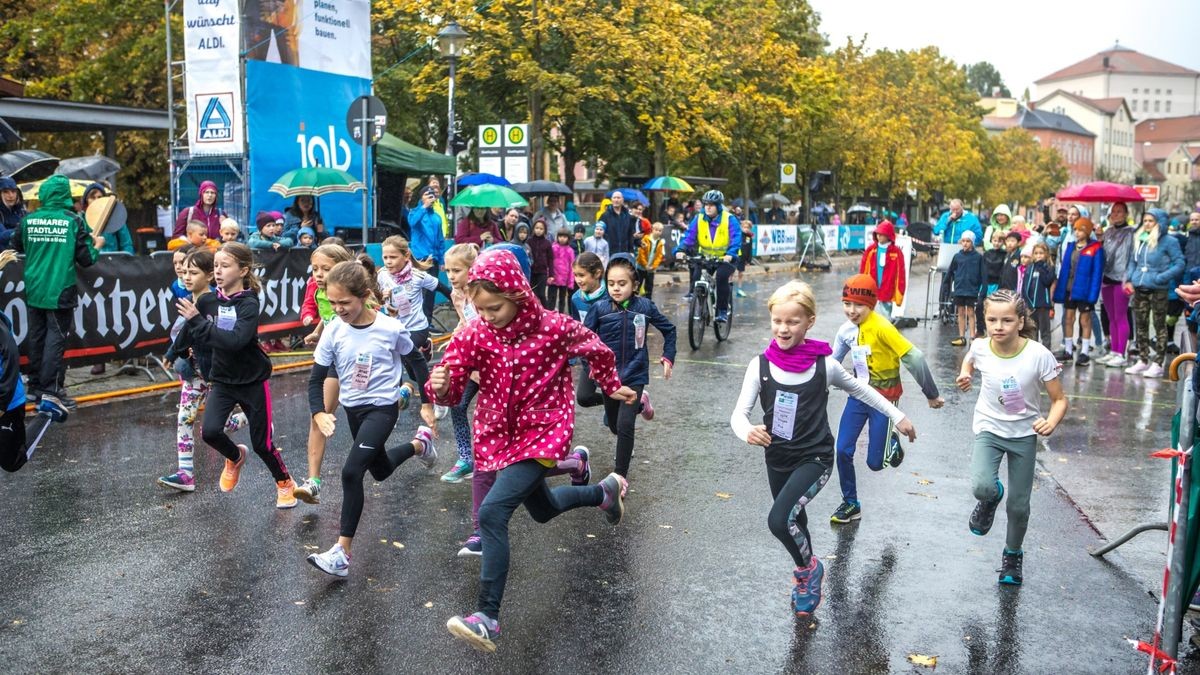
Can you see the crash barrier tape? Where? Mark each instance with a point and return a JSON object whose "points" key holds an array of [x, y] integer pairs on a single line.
{"points": [[126, 307]]}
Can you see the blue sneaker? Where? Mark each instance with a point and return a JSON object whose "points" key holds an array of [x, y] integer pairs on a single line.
{"points": [[741, 293], [985, 512], [53, 408], [463, 469], [1010, 567], [806, 594], [723, 316], [476, 630]]}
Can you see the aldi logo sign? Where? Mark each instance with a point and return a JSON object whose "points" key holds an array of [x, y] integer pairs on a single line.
{"points": [[214, 121]]}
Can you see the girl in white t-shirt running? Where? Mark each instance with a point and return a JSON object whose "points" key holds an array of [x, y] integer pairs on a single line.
{"points": [[1014, 369], [403, 283], [366, 347]]}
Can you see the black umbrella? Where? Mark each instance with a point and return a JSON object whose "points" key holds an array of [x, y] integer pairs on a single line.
{"points": [[33, 165], [541, 188], [94, 168]]}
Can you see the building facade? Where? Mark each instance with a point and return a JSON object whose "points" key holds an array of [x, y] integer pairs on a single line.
{"points": [[1052, 130], [1112, 125], [1152, 87]]}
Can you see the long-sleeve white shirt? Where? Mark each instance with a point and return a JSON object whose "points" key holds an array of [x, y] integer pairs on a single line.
{"points": [[835, 375]]}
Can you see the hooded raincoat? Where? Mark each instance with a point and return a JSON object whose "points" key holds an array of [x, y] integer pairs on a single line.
{"points": [[994, 227], [54, 239], [212, 218], [890, 275], [1159, 267], [526, 404], [10, 218]]}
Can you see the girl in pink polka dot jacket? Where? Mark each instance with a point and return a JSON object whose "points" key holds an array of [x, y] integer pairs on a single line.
{"points": [[524, 417]]}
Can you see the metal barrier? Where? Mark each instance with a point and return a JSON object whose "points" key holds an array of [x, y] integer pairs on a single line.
{"points": [[231, 174]]}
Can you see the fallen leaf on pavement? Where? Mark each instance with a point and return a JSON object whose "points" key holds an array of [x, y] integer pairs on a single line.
{"points": [[298, 602], [665, 527], [922, 660], [924, 481], [428, 605], [923, 494], [591, 536], [724, 495], [397, 544]]}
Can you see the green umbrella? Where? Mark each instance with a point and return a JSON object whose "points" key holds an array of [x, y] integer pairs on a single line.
{"points": [[488, 196], [315, 181]]}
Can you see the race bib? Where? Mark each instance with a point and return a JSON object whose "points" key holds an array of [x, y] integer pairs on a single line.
{"points": [[785, 415], [400, 301], [361, 376], [1011, 397], [226, 318], [858, 357], [639, 331]]}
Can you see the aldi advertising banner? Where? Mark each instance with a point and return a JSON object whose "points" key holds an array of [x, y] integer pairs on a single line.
{"points": [[212, 81]]}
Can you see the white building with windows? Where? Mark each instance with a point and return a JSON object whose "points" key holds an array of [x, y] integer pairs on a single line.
{"points": [[1111, 122], [1151, 87]]}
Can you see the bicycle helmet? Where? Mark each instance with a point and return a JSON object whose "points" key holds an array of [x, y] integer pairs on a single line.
{"points": [[713, 197]]}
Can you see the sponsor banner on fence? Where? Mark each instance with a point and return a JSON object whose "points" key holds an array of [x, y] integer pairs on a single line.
{"points": [[332, 36], [212, 76], [775, 240], [126, 307], [298, 119], [830, 235]]}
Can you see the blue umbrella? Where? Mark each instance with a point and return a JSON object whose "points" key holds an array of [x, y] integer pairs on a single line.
{"points": [[469, 179], [632, 195]]}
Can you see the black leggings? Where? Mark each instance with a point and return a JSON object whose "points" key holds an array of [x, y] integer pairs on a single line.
{"points": [[621, 417], [255, 399], [370, 425], [415, 362], [516, 484], [587, 392], [560, 299], [13, 451], [792, 491]]}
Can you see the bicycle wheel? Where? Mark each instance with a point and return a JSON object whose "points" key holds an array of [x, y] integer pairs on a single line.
{"points": [[697, 311], [721, 328]]}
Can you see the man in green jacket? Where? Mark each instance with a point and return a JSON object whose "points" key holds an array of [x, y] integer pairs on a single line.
{"points": [[54, 240]]}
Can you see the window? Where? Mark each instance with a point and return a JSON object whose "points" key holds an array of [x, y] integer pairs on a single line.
{"points": [[1168, 104], [1168, 92], [1135, 90], [1156, 106], [1146, 105], [1158, 92], [1133, 104]]}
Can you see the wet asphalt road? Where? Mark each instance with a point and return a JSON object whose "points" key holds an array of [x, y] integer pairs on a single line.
{"points": [[108, 572]]}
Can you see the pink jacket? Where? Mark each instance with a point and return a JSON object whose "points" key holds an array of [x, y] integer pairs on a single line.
{"points": [[564, 260], [526, 404]]}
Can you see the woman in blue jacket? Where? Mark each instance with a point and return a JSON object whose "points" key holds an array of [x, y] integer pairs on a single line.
{"points": [[1154, 268], [1078, 287]]}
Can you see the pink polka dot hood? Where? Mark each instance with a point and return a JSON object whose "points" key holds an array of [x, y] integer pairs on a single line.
{"points": [[526, 404]]}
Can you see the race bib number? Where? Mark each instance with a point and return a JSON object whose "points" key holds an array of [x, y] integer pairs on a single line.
{"points": [[226, 318], [400, 301], [858, 357], [1011, 397], [785, 415], [639, 331], [361, 376]]}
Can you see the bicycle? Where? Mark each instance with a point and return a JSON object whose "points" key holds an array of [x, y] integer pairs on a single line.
{"points": [[703, 305]]}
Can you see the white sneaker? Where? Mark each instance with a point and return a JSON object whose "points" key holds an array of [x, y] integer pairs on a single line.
{"points": [[1154, 371], [1137, 368], [428, 456], [440, 411], [334, 561], [1102, 360], [1117, 361]]}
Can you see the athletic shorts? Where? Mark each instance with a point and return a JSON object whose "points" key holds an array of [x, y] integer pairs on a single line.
{"points": [[965, 301], [1079, 306]]}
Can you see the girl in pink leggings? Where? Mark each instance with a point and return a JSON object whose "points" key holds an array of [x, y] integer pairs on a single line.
{"points": [[1118, 246]]}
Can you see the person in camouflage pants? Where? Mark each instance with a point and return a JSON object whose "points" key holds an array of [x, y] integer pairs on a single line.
{"points": [[1149, 302]]}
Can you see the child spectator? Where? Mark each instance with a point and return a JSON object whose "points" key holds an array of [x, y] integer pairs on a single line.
{"points": [[269, 234], [196, 235], [966, 278], [307, 238], [994, 257], [649, 256], [230, 231], [562, 279], [577, 241], [1010, 275], [597, 244], [1037, 288], [884, 262], [1077, 289]]}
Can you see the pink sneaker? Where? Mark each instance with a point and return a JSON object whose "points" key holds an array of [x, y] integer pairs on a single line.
{"points": [[647, 409]]}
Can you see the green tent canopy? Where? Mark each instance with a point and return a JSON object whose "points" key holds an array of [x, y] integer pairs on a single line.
{"points": [[396, 156]]}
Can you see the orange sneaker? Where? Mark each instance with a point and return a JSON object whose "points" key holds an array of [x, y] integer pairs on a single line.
{"points": [[285, 497], [233, 471]]}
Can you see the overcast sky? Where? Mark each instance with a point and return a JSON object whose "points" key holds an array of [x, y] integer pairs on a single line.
{"points": [[1024, 39]]}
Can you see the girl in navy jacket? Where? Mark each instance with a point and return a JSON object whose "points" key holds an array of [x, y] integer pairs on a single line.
{"points": [[1078, 287], [1037, 288]]}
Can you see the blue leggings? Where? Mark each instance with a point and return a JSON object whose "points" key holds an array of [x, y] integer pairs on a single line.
{"points": [[462, 423], [854, 417]]}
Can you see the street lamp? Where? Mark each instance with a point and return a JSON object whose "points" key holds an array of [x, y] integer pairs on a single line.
{"points": [[450, 42]]}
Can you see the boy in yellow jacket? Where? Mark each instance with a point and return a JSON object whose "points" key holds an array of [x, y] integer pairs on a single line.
{"points": [[649, 257]]}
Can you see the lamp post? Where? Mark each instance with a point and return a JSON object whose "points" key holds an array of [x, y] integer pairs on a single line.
{"points": [[450, 42]]}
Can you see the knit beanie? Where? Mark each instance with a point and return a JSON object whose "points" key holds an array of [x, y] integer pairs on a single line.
{"points": [[861, 289], [1085, 224], [263, 218]]}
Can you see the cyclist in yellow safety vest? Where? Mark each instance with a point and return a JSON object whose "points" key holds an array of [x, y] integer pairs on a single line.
{"points": [[714, 233]]}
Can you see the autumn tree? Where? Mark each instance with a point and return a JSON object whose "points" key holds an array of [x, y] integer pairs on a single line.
{"points": [[1020, 170]]}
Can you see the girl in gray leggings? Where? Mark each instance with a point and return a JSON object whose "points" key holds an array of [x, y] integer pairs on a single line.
{"points": [[1013, 369]]}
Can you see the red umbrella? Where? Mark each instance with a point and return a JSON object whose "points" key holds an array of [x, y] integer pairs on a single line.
{"points": [[1099, 191]]}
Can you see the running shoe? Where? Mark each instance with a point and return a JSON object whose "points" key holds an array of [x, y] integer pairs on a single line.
{"points": [[406, 392], [958, 342], [179, 481], [613, 506], [68, 402], [463, 469], [722, 316], [1062, 355], [233, 471], [847, 512], [476, 630], [1116, 361], [582, 475], [893, 455], [806, 593], [1010, 567], [440, 411], [473, 546], [1137, 368], [647, 409], [309, 491], [53, 408], [1155, 370], [985, 512], [1082, 359], [335, 561], [741, 293], [285, 494], [428, 456]]}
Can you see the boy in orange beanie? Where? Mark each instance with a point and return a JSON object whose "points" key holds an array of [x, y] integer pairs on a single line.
{"points": [[884, 262], [876, 351]]}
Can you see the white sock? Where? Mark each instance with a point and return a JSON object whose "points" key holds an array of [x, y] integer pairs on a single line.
{"points": [[1068, 345], [1085, 344]]}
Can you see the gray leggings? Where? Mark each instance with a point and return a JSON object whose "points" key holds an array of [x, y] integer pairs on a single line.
{"points": [[985, 471]]}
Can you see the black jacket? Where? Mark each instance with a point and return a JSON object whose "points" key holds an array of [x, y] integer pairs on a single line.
{"points": [[229, 327], [618, 231], [993, 266], [1009, 276]]}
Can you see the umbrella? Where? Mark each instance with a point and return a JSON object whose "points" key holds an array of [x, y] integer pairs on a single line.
{"points": [[667, 184], [775, 198], [17, 161], [469, 179], [29, 191], [315, 181], [488, 196], [541, 188], [1099, 191], [745, 203], [859, 208], [634, 195], [96, 167]]}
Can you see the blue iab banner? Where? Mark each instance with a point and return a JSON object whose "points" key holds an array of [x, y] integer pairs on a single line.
{"points": [[296, 118]]}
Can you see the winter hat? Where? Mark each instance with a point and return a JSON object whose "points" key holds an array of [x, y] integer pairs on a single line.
{"points": [[1027, 250], [306, 230], [887, 229], [968, 235], [1085, 224], [263, 218], [861, 289], [208, 185], [579, 229], [277, 216]]}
